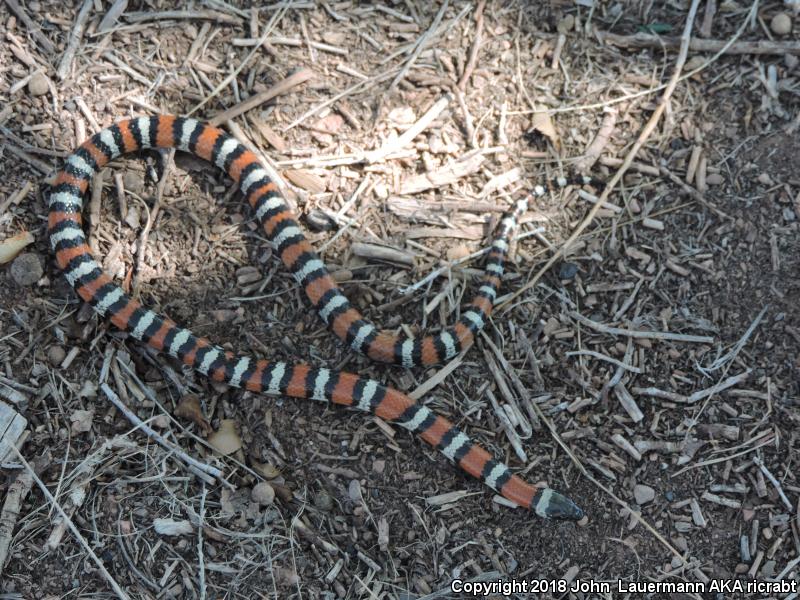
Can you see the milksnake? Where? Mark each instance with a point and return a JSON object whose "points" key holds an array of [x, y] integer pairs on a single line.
{"points": [[74, 258]]}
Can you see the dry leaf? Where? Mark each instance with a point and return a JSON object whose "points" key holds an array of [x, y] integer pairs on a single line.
{"points": [[403, 116], [189, 408], [266, 470], [225, 440], [446, 498], [88, 389], [330, 124], [227, 509], [542, 123], [12, 246], [81, 420], [269, 135], [383, 534], [170, 527], [305, 179]]}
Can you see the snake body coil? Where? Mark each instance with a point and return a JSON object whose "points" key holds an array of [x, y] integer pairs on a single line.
{"points": [[300, 381]]}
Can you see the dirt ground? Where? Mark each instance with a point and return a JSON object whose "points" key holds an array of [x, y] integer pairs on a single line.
{"points": [[651, 373]]}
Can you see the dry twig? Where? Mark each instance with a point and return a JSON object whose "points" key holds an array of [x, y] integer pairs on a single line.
{"points": [[476, 46], [32, 27], [75, 36], [283, 86], [75, 531], [150, 432], [647, 40]]}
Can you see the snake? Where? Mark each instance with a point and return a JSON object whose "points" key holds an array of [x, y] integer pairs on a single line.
{"points": [[64, 196]]}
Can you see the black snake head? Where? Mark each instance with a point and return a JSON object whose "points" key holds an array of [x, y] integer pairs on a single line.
{"points": [[552, 505]]}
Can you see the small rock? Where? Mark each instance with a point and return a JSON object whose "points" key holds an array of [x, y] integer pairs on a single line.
{"points": [[768, 570], [381, 190], [458, 252], [643, 494], [133, 182], [791, 61], [56, 355], [330, 124], [341, 275], [354, 490], [263, 494], [714, 179], [693, 63], [38, 84], [567, 270], [88, 389], [27, 269], [670, 496], [552, 325], [247, 275], [781, 24], [323, 501], [334, 38], [583, 522], [223, 315], [132, 218], [566, 24], [741, 568]]}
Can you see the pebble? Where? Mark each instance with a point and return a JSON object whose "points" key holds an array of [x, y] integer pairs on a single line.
{"points": [[457, 252], [643, 494], [341, 275], [768, 570], [566, 24], [56, 355], [781, 24], [247, 275], [263, 494], [38, 84], [133, 182], [27, 269], [323, 501], [714, 179], [567, 270]]}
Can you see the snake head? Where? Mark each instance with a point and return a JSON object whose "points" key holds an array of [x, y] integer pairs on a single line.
{"points": [[552, 505]]}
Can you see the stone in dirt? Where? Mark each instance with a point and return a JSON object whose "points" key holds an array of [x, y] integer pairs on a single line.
{"points": [[643, 494]]}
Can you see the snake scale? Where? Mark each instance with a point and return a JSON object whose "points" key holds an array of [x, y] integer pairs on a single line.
{"points": [[74, 258]]}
